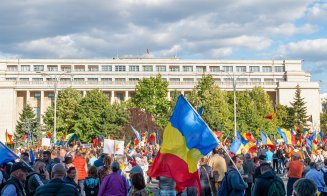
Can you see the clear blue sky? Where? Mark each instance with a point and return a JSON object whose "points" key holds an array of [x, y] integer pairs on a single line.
{"points": [[190, 29]]}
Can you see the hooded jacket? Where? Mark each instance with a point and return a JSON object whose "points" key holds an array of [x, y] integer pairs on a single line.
{"points": [[263, 182]]}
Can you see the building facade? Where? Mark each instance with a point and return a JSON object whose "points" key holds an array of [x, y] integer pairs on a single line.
{"points": [[32, 81]]}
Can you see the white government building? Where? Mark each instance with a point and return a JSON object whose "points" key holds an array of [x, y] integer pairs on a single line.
{"points": [[32, 81]]}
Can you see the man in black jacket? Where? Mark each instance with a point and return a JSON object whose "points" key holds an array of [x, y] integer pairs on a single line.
{"points": [[265, 180], [57, 186], [15, 184]]}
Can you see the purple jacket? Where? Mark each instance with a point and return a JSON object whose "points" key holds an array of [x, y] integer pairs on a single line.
{"points": [[113, 184]]}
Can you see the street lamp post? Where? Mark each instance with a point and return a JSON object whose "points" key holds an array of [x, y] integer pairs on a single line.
{"points": [[55, 79]]}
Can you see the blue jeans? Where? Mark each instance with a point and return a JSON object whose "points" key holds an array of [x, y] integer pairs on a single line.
{"points": [[167, 193], [280, 167], [290, 183], [81, 186]]}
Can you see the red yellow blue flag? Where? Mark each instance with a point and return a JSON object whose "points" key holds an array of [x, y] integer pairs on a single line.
{"points": [[186, 139]]}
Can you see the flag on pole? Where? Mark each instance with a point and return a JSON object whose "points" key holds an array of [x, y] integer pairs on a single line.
{"points": [[236, 146], [266, 141], [32, 157], [6, 154], [29, 138], [25, 138], [186, 139], [136, 134], [8, 138], [286, 135], [153, 138]]}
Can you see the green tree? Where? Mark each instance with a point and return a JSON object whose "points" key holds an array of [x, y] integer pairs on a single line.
{"points": [[151, 95], [284, 115], [67, 103], [299, 109], [216, 112], [95, 116], [252, 108], [27, 122]]}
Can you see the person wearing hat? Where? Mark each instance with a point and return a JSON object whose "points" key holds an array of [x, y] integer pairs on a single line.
{"points": [[257, 171], [265, 180], [114, 183], [295, 169], [317, 176], [15, 185]]}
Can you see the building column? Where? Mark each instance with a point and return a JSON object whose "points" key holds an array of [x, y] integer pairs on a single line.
{"points": [[28, 96], [182, 92], [41, 106], [15, 116], [126, 96], [112, 100], [84, 93]]}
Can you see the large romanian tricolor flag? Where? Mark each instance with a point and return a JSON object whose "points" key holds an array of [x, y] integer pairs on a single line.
{"points": [[186, 139], [286, 135], [266, 140]]}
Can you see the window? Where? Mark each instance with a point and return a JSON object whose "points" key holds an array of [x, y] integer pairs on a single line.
{"points": [[37, 79], [255, 79], [93, 80], [187, 68], [79, 68], [24, 79], [200, 69], [242, 80], [147, 68], [120, 79], [254, 69], [134, 68], [161, 68], [173, 68], [268, 80], [188, 79], [66, 68], [280, 79], [79, 79], [52, 68], [25, 68], [12, 68], [228, 80], [228, 68], [266, 69], [106, 68], [65, 79], [38, 68], [11, 79], [51, 96], [37, 112], [133, 79], [214, 69], [279, 69], [240, 69], [174, 79], [93, 68], [106, 79], [120, 68]]}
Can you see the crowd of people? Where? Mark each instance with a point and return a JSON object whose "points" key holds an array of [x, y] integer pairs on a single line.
{"points": [[266, 170]]}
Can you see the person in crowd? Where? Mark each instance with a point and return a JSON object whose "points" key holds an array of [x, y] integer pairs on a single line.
{"points": [[304, 187], [205, 177], [47, 160], [218, 166], [100, 161], [114, 183], [248, 168], [39, 177], [57, 186], [166, 186], [307, 166], [62, 154], [15, 184], [25, 157], [71, 176], [92, 182], [105, 170], [295, 169], [92, 158], [280, 159], [68, 162], [317, 177], [80, 164], [318, 157], [237, 184], [265, 180], [269, 155], [257, 171], [138, 185]]}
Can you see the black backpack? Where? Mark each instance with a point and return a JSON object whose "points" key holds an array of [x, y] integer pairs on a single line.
{"points": [[224, 188], [91, 186]]}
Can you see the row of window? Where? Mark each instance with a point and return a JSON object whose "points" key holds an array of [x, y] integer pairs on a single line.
{"points": [[137, 79], [148, 68]]}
